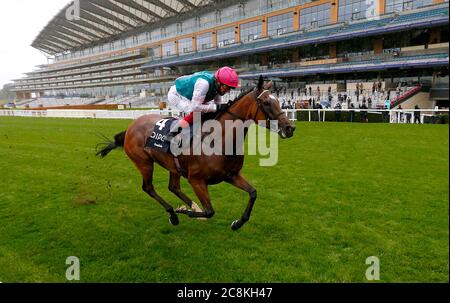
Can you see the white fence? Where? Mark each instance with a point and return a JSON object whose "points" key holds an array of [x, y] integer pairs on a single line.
{"points": [[92, 114], [395, 115]]}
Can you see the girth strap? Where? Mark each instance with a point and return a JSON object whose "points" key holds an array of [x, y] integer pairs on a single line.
{"points": [[180, 170]]}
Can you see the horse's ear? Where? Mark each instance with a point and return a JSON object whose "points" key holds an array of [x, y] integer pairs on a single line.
{"points": [[268, 85], [260, 83]]}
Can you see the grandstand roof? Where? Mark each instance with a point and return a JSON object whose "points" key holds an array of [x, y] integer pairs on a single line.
{"points": [[103, 19]]}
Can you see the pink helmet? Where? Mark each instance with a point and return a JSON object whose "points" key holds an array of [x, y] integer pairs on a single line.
{"points": [[228, 76]]}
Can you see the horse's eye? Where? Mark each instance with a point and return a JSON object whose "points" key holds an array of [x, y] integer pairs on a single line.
{"points": [[266, 102]]}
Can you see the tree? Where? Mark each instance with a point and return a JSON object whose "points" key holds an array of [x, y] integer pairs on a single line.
{"points": [[6, 94]]}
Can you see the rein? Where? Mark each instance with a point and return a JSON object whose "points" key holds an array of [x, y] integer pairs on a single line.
{"points": [[259, 107]]}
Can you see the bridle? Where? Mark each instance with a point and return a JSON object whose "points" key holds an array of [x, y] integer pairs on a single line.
{"points": [[260, 107]]}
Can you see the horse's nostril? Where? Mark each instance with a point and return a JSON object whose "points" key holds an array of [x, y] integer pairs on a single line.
{"points": [[289, 130]]}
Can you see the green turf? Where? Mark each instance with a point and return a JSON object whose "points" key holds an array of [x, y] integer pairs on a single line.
{"points": [[339, 194]]}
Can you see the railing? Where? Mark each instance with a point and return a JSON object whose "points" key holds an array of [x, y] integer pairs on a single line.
{"points": [[319, 115], [87, 70], [405, 95], [388, 115], [91, 61], [140, 78], [93, 114]]}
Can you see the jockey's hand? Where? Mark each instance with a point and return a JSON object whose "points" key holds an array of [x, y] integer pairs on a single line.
{"points": [[221, 107]]}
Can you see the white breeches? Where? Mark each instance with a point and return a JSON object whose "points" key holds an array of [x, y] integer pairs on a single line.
{"points": [[178, 101], [183, 104]]}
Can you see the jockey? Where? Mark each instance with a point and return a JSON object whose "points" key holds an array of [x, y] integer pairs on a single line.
{"points": [[200, 92]]}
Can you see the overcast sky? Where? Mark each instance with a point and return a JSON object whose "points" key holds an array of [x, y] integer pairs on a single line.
{"points": [[20, 22]]}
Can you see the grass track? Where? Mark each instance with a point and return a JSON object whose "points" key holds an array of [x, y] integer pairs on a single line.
{"points": [[339, 194]]}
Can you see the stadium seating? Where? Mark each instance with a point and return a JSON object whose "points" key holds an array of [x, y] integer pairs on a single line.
{"points": [[442, 12], [412, 59], [301, 37], [55, 102]]}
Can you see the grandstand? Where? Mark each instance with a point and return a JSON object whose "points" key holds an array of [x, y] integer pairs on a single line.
{"points": [[129, 51]]}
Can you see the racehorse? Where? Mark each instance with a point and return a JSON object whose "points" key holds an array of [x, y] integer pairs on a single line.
{"points": [[202, 170]]}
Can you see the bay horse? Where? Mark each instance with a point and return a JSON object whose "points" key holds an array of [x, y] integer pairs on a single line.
{"points": [[202, 170]]}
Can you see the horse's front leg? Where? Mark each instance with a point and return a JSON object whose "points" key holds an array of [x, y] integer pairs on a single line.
{"points": [[175, 187], [240, 182], [201, 190]]}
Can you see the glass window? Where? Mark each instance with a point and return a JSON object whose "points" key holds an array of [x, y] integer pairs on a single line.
{"points": [[315, 16], [353, 10], [154, 52], [225, 36], [355, 47], [171, 30], [185, 45], [208, 20], [403, 5], [281, 24], [189, 25], [241, 8], [218, 16], [251, 30], [230, 14], [179, 28], [204, 41], [314, 52], [169, 49], [254, 7]]}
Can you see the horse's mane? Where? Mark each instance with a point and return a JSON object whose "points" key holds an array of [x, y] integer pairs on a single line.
{"points": [[241, 95], [230, 103]]}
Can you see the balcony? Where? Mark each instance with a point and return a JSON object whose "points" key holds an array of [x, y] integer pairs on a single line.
{"points": [[108, 67], [92, 62], [110, 82]]}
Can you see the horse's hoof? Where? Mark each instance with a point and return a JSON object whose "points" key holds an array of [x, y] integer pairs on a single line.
{"points": [[174, 220], [235, 225]]}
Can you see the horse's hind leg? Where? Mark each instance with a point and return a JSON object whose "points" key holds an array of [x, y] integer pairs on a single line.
{"points": [[147, 173]]}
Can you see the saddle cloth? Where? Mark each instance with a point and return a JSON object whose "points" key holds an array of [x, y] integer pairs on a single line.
{"points": [[157, 139]]}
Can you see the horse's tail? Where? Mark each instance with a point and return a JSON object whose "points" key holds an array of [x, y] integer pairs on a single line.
{"points": [[119, 141]]}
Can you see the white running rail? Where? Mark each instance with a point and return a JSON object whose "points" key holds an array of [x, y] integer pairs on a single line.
{"points": [[395, 115]]}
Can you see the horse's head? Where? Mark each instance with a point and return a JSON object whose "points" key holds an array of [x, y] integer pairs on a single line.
{"points": [[269, 109]]}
